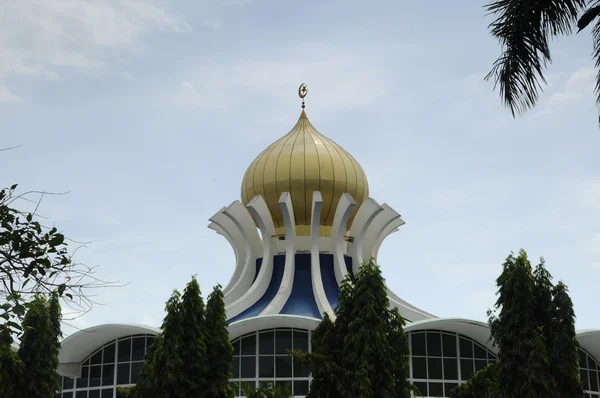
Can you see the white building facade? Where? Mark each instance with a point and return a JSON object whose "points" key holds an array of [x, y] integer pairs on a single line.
{"points": [[305, 221]]}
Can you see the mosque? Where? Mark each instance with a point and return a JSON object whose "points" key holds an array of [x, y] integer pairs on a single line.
{"points": [[305, 221]]}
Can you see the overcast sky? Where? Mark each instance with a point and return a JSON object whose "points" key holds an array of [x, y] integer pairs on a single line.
{"points": [[149, 112]]}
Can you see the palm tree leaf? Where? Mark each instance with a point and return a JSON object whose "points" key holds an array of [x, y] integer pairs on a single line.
{"points": [[523, 28], [596, 56], [588, 17]]}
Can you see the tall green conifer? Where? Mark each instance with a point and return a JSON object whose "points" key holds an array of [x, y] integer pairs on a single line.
{"points": [[219, 348], [564, 352], [11, 366], [39, 351]]}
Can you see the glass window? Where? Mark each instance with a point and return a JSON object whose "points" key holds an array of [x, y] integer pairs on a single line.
{"points": [[81, 394], [436, 389], [418, 344], [124, 350], [299, 370], [448, 387], [466, 368], [419, 368], [582, 359], [94, 394], [283, 341], [480, 364], [434, 369], [434, 344], [67, 383], [300, 387], [136, 367], [95, 375], [82, 382], [284, 383], [235, 367], [149, 341], [593, 380], [584, 379], [96, 358], [236, 347], [283, 366], [248, 367], [266, 343], [422, 387], [466, 348], [266, 366], [449, 343], [450, 369], [123, 373], [138, 349], [300, 340], [479, 351], [107, 393], [249, 345], [108, 375], [109, 353], [67, 395]]}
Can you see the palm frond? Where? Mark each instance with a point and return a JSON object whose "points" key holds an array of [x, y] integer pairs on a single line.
{"points": [[524, 28], [596, 56], [588, 17]]}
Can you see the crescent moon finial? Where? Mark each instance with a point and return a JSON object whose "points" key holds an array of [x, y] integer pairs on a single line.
{"points": [[302, 91]]}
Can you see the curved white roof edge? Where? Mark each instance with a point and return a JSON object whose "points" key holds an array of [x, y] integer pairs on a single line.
{"points": [[476, 330], [244, 326], [77, 346], [589, 340]]}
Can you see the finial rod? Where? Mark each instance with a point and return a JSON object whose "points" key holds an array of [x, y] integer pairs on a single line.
{"points": [[302, 91]]}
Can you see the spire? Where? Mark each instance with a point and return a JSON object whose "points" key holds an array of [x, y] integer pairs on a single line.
{"points": [[302, 91]]}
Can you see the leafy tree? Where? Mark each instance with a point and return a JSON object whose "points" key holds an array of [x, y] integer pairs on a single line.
{"points": [[39, 349], [11, 366], [564, 350], [364, 353], [524, 30], [484, 383], [220, 350], [270, 391], [35, 259], [193, 347]]}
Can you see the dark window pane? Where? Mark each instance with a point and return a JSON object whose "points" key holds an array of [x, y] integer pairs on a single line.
{"points": [[418, 344], [434, 368], [81, 394], [266, 343], [108, 375], [135, 371], [283, 366], [466, 368], [67, 395], [434, 344], [591, 363], [283, 341], [95, 375], [422, 387], [235, 367], [300, 387], [582, 359], [248, 367], [97, 358], [436, 389], [107, 393], [82, 382], [449, 387], [449, 343], [492, 356], [67, 383], [87, 362], [283, 384], [450, 369], [266, 366], [300, 341], [137, 353], [480, 352], [236, 347], [584, 379], [466, 348], [149, 341], [94, 394], [593, 381], [419, 368], [249, 345], [123, 373], [124, 350], [299, 370], [109, 353], [480, 364]]}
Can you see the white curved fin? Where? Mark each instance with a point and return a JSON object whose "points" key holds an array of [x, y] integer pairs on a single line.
{"points": [[315, 261], [379, 224], [363, 219], [342, 214]]}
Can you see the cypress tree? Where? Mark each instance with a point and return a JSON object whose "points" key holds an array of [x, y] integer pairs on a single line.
{"points": [[193, 334], [564, 353], [514, 328], [11, 366], [39, 351], [540, 382], [219, 348], [401, 351]]}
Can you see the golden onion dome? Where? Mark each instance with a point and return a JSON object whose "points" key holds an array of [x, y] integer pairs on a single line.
{"points": [[301, 162]]}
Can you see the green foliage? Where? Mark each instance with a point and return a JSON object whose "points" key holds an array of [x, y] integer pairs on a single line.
{"points": [[362, 354], [192, 337], [125, 392], [40, 347], [270, 391], [11, 366], [534, 330], [33, 259], [220, 351], [483, 383]]}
